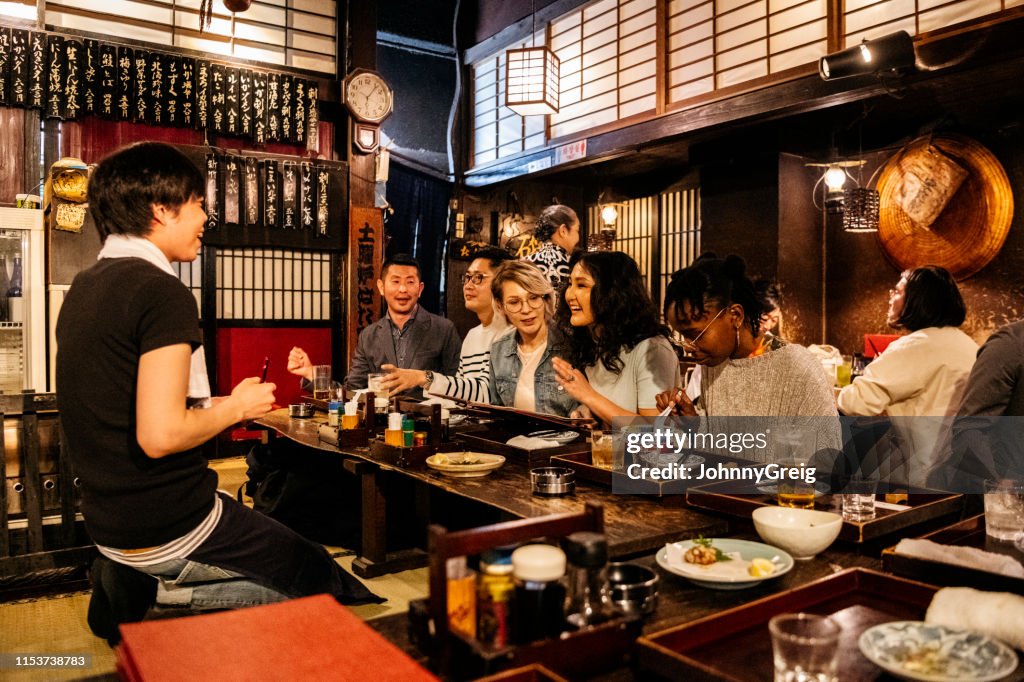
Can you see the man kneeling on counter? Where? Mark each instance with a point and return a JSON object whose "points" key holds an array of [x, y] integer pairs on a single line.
{"points": [[407, 336], [135, 408]]}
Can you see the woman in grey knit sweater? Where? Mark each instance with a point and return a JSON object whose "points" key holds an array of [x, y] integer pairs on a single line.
{"points": [[714, 306]]}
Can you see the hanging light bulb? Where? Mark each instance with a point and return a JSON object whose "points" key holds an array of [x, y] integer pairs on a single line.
{"points": [[609, 214], [835, 178]]}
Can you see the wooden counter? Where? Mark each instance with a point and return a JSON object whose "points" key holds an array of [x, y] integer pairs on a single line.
{"points": [[633, 523]]}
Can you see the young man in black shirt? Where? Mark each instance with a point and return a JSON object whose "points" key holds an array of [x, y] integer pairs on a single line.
{"points": [[129, 364]]}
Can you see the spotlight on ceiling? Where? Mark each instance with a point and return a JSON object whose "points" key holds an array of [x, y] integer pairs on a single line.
{"points": [[891, 53]]}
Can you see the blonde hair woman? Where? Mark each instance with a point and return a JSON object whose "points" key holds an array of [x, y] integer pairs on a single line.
{"points": [[521, 371]]}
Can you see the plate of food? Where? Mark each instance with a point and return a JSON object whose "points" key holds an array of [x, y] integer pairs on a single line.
{"points": [[722, 563], [560, 437], [465, 464], [914, 650]]}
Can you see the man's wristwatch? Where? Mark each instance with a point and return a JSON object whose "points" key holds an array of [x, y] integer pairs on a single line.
{"points": [[429, 380]]}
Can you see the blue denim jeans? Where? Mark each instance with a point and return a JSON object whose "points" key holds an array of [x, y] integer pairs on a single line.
{"points": [[200, 586], [252, 559]]}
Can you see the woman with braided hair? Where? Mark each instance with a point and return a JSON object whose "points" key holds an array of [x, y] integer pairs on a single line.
{"points": [[558, 230]]}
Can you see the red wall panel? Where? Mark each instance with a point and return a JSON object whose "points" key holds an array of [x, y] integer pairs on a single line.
{"points": [[240, 353]]}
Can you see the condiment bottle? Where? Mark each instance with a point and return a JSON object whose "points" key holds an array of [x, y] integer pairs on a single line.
{"points": [[350, 420], [589, 603], [461, 597], [333, 413], [380, 408], [494, 598], [408, 427], [393, 434], [538, 610]]}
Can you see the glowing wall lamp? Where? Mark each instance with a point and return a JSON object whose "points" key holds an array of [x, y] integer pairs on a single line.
{"points": [[891, 53]]}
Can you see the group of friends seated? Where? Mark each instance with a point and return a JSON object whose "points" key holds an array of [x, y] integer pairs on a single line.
{"points": [[564, 332]]}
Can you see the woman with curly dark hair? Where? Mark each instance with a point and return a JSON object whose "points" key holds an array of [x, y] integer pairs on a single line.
{"points": [[615, 337]]}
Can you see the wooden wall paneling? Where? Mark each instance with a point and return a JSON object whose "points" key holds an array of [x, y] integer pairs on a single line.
{"points": [[14, 177]]}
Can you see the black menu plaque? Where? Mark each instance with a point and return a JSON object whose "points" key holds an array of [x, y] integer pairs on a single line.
{"points": [[140, 98], [38, 70]]}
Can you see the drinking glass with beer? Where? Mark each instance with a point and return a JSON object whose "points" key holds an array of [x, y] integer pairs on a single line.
{"points": [[795, 447]]}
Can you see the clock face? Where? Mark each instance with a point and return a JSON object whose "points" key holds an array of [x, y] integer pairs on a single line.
{"points": [[368, 97]]}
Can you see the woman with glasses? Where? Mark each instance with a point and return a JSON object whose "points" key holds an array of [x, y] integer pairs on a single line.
{"points": [[615, 338], [717, 310], [521, 372], [921, 374]]}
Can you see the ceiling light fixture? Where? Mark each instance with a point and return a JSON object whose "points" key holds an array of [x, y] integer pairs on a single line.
{"points": [[888, 54], [531, 77]]}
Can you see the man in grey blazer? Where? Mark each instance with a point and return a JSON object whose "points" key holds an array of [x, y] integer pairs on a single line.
{"points": [[407, 336]]}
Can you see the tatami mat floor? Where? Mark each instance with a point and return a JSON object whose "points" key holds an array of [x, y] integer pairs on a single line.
{"points": [[56, 625]]}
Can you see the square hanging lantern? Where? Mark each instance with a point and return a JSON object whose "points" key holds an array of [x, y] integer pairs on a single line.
{"points": [[531, 81]]}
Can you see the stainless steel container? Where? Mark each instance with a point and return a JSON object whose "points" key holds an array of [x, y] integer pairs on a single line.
{"points": [[634, 588], [553, 481], [300, 410]]}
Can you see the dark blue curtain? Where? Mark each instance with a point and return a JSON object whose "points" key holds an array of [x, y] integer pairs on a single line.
{"points": [[419, 226]]}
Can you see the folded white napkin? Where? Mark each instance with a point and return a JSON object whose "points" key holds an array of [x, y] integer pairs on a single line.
{"points": [[996, 614], [528, 443], [971, 557]]}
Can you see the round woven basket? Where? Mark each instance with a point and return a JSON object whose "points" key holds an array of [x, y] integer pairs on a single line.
{"points": [[970, 230]]}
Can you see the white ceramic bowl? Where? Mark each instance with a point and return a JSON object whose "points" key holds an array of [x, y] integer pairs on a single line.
{"points": [[801, 532]]}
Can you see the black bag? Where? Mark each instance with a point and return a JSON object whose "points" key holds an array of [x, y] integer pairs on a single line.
{"points": [[306, 491]]}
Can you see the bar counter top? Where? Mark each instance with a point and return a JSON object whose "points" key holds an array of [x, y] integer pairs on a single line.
{"points": [[633, 523]]}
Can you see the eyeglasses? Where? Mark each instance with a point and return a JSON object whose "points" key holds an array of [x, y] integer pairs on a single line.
{"points": [[690, 346], [515, 305], [474, 278]]}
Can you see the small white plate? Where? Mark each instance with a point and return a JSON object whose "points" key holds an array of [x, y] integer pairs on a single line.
{"points": [[465, 464], [914, 650], [560, 437], [726, 575]]}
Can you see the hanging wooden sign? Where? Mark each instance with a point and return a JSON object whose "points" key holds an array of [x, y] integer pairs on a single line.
{"points": [[90, 76], [287, 95], [74, 66], [307, 196], [252, 192], [313, 127], [107, 91], [202, 95], [245, 102], [232, 110], [300, 111], [323, 186], [5, 65], [232, 191], [271, 194], [172, 91], [259, 108], [273, 107], [37, 70], [140, 96], [56, 68], [188, 92], [125, 83], [157, 89], [19, 68], [289, 196], [366, 231], [217, 99], [212, 192]]}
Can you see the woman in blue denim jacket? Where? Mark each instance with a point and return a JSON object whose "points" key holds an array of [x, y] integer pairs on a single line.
{"points": [[521, 372]]}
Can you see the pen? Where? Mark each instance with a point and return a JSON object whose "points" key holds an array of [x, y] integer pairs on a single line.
{"points": [[266, 364]]}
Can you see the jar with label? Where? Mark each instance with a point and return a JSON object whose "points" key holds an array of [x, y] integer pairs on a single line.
{"points": [[461, 597], [538, 611], [494, 598], [334, 413], [408, 428]]}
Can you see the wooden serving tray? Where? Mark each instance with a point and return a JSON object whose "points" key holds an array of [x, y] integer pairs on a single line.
{"points": [[620, 483], [967, 533], [741, 498], [735, 645]]}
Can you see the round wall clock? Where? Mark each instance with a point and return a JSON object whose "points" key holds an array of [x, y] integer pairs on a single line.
{"points": [[368, 97]]}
